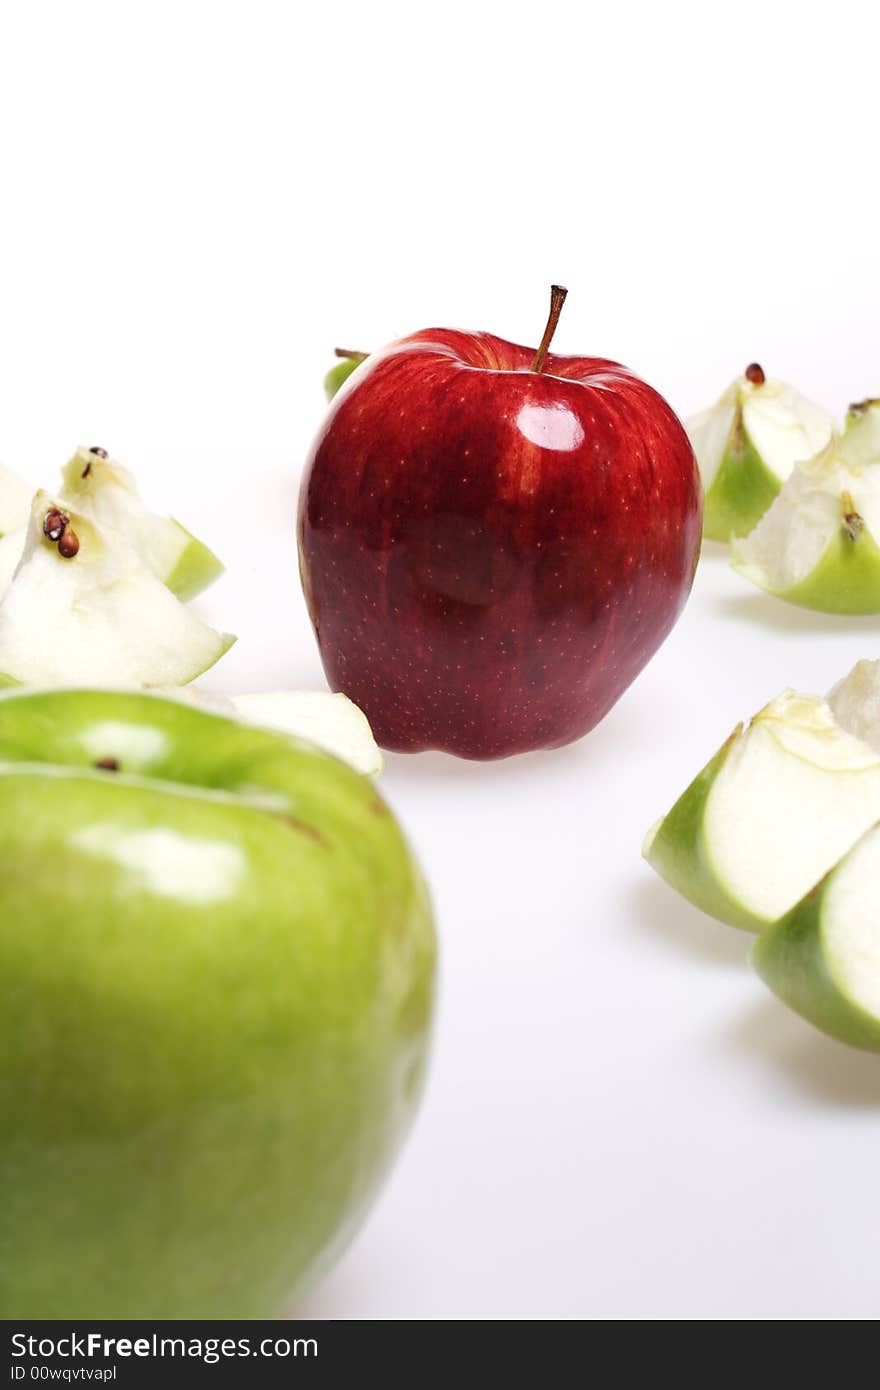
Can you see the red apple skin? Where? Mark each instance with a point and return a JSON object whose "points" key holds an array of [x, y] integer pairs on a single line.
{"points": [[490, 555]]}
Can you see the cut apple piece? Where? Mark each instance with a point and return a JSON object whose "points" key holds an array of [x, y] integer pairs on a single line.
{"points": [[83, 608], [775, 809], [823, 957], [100, 488], [819, 544], [747, 445], [331, 721], [15, 501], [855, 702]]}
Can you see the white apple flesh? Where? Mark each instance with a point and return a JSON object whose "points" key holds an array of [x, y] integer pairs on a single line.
{"points": [[15, 501], [855, 702]]}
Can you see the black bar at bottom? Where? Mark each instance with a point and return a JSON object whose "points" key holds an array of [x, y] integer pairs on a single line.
{"points": [[150, 1354]]}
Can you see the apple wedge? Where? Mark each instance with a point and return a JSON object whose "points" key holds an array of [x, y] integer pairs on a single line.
{"points": [[819, 544], [823, 957], [773, 811], [747, 445], [83, 608], [101, 489]]}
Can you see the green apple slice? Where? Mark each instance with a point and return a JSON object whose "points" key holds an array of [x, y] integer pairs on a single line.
{"points": [[775, 808], [101, 489], [98, 615], [747, 445], [855, 702], [823, 957], [15, 501], [819, 544]]}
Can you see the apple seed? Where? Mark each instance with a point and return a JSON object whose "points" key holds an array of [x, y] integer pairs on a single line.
{"points": [[68, 545], [107, 764], [755, 374], [54, 524]]}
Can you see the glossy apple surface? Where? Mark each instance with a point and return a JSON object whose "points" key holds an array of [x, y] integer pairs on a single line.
{"points": [[216, 967], [490, 554]]}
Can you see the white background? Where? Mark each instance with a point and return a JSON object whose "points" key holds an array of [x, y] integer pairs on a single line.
{"points": [[198, 202]]}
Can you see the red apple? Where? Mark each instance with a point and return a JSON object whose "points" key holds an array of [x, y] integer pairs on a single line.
{"points": [[494, 541]]}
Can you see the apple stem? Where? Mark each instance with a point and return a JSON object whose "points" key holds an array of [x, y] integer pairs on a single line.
{"points": [[557, 299], [350, 354], [754, 373], [853, 523]]}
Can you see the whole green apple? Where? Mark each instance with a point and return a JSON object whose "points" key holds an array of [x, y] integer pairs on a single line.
{"points": [[217, 961]]}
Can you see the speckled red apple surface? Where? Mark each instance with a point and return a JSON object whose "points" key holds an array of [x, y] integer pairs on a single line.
{"points": [[491, 553]]}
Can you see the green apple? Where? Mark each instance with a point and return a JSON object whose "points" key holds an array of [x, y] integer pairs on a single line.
{"points": [[775, 808], [83, 608], [217, 959], [101, 489], [338, 375], [747, 445], [15, 501], [819, 544], [823, 957]]}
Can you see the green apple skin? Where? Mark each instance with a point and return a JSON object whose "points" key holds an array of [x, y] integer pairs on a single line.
{"points": [[338, 375], [676, 849], [741, 492], [196, 569], [846, 579], [791, 958], [217, 971]]}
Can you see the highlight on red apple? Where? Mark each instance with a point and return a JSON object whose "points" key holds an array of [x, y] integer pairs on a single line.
{"points": [[494, 539]]}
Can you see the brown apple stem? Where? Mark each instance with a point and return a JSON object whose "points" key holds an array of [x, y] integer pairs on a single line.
{"points": [[853, 523], [350, 354], [557, 299]]}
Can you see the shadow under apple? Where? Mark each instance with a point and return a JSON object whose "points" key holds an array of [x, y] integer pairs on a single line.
{"points": [[788, 619], [657, 910], [613, 739], [814, 1064]]}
